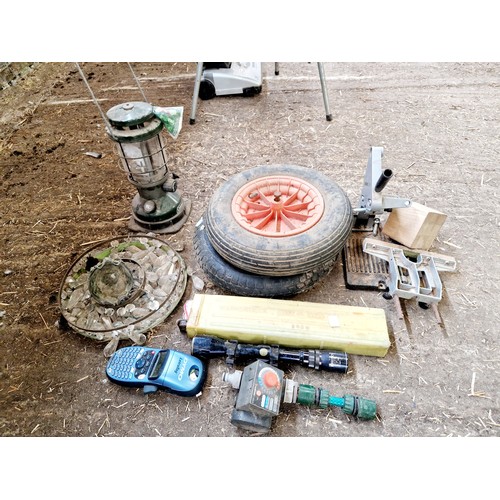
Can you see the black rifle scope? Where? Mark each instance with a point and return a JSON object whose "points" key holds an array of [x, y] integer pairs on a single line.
{"points": [[211, 347]]}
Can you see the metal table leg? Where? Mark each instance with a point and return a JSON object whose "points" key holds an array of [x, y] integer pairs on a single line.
{"points": [[199, 71], [325, 91]]}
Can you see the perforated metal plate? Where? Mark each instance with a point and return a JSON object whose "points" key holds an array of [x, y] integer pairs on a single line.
{"points": [[361, 270]]}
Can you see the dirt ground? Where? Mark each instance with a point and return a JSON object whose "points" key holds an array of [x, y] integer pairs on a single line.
{"points": [[439, 125]]}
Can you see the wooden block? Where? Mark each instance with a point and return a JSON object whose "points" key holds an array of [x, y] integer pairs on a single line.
{"points": [[290, 323], [415, 227]]}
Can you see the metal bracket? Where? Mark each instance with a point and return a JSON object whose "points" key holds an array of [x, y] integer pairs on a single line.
{"points": [[372, 202], [274, 355], [231, 346], [412, 274]]}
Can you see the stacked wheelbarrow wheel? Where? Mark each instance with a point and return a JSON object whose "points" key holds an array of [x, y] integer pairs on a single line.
{"points": [[273, 231]]}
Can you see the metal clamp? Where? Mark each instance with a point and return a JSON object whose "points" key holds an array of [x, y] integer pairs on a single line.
{"points": [[412, 274], [231, 348]]}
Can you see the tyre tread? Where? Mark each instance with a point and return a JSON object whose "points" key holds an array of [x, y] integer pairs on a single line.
{"points": [[240, 282]]}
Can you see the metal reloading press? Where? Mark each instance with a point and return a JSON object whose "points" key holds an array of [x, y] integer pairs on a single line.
{"points": [[375, 263]]}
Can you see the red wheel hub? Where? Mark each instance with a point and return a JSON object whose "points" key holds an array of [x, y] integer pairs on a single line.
{"points": [[277, 206]]}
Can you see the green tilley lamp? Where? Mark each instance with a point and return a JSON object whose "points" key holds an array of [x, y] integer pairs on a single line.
{"points": [[136, 131]]}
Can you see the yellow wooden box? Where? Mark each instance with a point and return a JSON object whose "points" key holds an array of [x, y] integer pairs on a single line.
{"points": [[290, 323]]}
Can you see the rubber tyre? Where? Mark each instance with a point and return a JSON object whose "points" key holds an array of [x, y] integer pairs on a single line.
{"points": [[207, 90], [239, 282], [252, 91], [282, 256]]}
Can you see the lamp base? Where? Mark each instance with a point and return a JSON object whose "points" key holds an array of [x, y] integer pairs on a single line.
{"points": [[166, 225]]}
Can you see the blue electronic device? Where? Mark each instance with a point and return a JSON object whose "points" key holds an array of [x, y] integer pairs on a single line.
{"points": [[154, 369]]}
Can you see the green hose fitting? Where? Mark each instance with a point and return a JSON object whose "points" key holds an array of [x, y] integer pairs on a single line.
{"points": [[306, 395], [309, 395], [324, 397], [359, 407]]}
